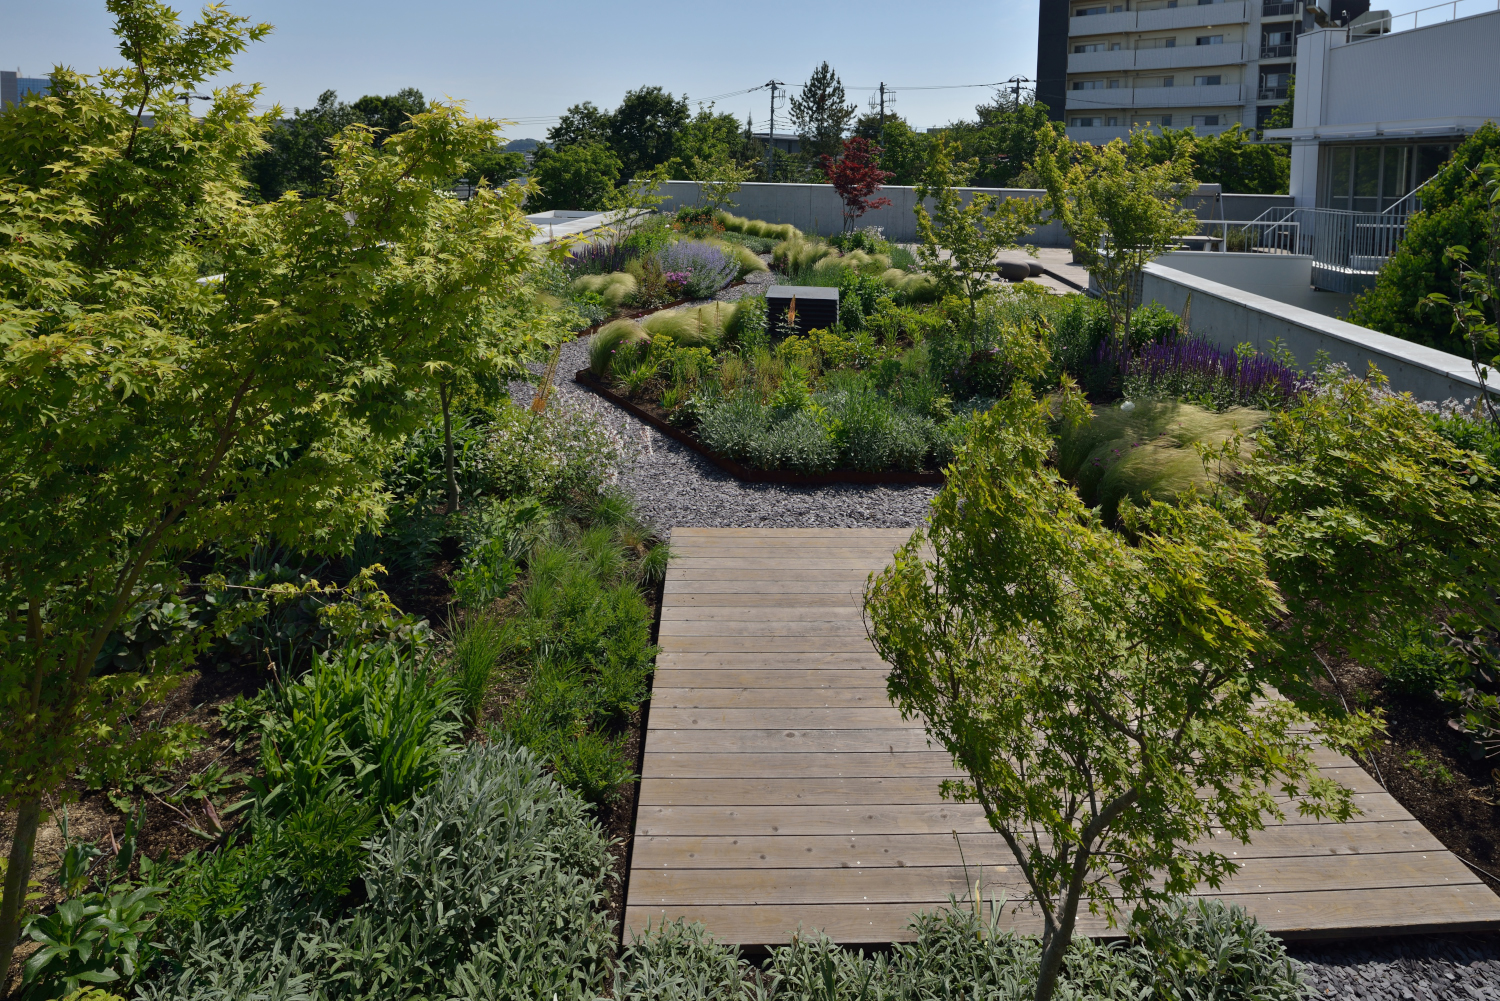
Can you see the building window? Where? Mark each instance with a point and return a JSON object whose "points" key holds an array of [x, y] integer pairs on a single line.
{"points": [[1085, 123], [1205, 119], [1113, 85], [1208, 81], [1092, 47], [1373, 178], [1112, 121], [1168, 81], [1114, 46], [1210, 39], [1086, 11], [1088, 84], [1166, 121], [1157, 43]]}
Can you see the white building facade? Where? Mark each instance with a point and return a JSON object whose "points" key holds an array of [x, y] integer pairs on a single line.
{"points": [[1178, 63], [1375, 116]]}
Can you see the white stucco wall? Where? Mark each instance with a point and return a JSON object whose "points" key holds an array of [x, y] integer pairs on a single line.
{"points": [[1284, 277]]}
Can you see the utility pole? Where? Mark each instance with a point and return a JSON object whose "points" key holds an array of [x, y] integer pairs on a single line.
{"points": [[879, 101], [1015, 87], [773, 83]]}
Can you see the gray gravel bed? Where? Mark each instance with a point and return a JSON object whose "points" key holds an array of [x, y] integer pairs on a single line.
{"points": [[1424, 967], [673, 485]]}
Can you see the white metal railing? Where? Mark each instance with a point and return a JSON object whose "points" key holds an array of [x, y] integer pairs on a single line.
{"points": [[1450, 11], [1347, 248], [1247, 237]]}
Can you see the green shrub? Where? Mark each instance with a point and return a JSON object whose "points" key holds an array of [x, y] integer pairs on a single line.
{"points": [[491, 884], [1200, 949], [1452, 214], [608, 340], [681, 326], [746, 326], [747, 260], [755, 227], [731, 425], [797, 442], [1146, 450], [550, 456], [378, 717]]}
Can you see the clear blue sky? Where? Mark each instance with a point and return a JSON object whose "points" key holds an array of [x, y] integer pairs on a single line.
{"points": [[530, 61]]}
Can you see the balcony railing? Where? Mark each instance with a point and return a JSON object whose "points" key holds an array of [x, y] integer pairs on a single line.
{"points": [[1272, 94], [1278, 51], [1269, 9]]}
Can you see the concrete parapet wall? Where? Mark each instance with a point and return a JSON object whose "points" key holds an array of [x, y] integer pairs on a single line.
{"points": [[1231, 316], [816, 209]]}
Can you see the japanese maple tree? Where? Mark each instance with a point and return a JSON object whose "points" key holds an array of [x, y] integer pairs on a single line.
{"points": [[856, 175]]}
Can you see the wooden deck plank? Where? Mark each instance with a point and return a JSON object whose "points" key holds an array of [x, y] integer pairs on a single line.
{"points": [[849, 790], [900, 850], [1294, 916], [931, 886], [781, 789], [764, 695]]}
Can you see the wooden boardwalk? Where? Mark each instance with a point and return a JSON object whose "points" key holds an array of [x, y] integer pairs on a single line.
{"points": [[780, 788]]}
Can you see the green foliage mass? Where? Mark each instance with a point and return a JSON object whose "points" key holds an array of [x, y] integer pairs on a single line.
{"points": [[489, 884], [1232, 158], [299, 149], [1212, 950], [579, 176], [1149, 452], [1376, 520], [1453, 214]]}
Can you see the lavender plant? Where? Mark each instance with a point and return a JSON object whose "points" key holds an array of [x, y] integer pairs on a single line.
{"points": [[707, 268], [1190, 368]]}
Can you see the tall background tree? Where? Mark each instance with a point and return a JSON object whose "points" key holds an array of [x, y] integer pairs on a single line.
{"points": [[297, 154], [821, 114], [582, 123], [643, 130]]}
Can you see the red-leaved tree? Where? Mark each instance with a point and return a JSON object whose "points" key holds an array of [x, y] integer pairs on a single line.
{"points": [[856, 175]]}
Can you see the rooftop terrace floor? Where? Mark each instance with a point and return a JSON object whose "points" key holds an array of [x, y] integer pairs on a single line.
{"points": [[781, 789]]}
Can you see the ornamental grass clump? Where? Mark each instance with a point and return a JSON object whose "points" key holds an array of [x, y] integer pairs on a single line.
{"points": [[615, 288], [705, 268], [1149, 450], [610, 340]]}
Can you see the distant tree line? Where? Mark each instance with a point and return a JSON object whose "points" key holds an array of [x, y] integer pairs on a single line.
{"points": [[591, 151]]}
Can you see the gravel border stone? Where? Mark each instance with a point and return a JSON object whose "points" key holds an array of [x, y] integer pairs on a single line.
{"points": [[1415, 968]]}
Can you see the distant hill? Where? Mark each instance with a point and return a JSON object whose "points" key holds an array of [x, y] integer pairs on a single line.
{"points": [[522, 145]]}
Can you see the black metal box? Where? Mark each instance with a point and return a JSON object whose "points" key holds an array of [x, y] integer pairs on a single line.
{"points": [[817, 308]]}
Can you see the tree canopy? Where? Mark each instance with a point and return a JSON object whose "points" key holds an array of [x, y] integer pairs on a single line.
{"points": [[821, 113], [297, 157]]}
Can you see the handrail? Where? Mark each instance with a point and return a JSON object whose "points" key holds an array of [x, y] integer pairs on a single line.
{"points": [[1388, 23], [1413, 195]]}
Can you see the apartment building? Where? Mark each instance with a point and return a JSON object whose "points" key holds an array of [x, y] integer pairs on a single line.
{"points": [[1105, 67], [13, 87]]}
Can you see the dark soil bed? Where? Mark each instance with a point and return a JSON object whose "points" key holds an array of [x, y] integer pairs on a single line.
{"points": [[1429, 769]]}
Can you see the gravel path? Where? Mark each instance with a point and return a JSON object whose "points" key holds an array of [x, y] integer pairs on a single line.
{"points": [[673, 485], [1424, 967]]}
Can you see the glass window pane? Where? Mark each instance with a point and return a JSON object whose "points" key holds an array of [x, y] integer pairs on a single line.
{"points": [[1393, 175], [1430, 160], [1366, 179], [1338, 177]]}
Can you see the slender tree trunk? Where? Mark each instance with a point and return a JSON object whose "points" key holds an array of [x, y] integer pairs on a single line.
{"points": [[17, 875], [445, 393], [1055, 949]]}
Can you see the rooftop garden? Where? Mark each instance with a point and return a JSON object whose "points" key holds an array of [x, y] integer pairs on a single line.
{"points": [[325, 659]]}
